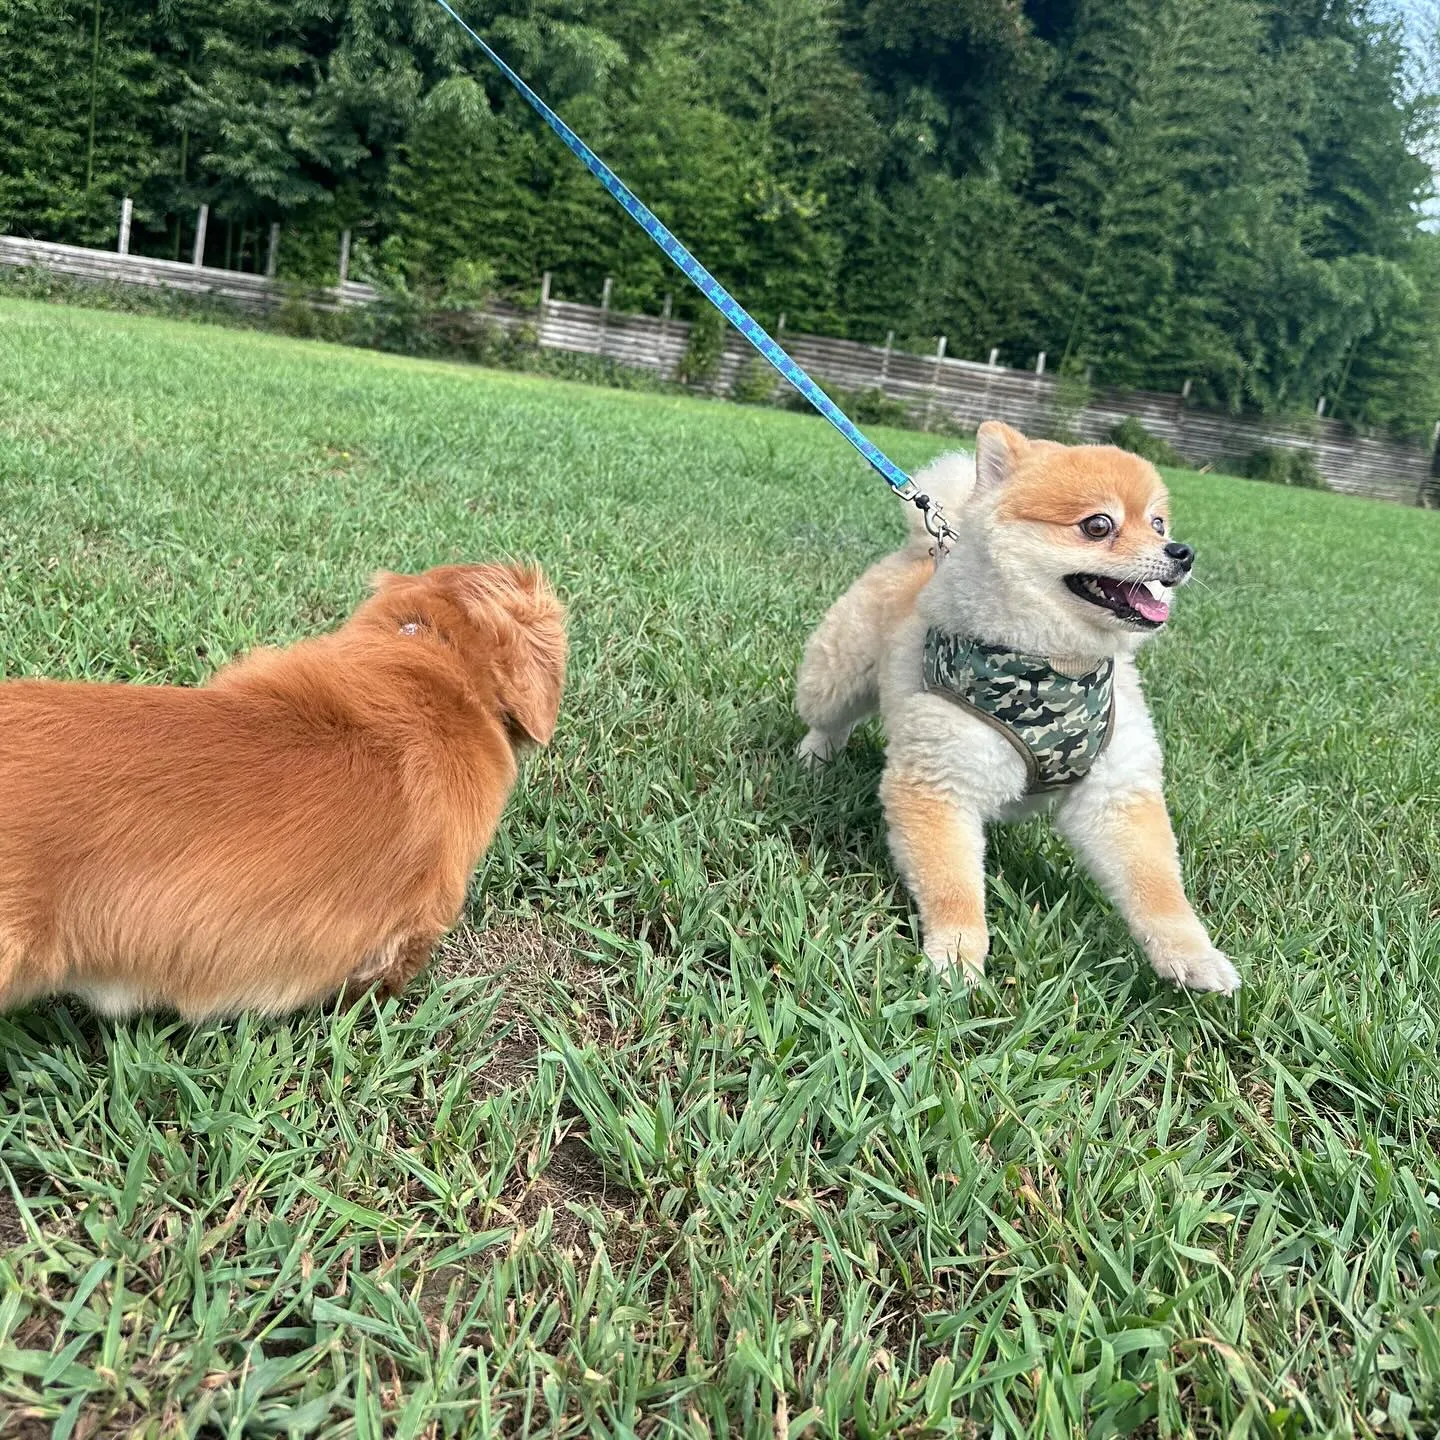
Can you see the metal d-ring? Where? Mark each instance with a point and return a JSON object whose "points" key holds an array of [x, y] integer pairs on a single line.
{"points": [[936, 525]]}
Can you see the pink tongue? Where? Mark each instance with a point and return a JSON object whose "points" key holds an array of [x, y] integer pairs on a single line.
{"points": [[1138, 597]]}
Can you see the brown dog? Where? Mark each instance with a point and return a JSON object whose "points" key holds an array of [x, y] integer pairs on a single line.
{"points": [[306, 821]]}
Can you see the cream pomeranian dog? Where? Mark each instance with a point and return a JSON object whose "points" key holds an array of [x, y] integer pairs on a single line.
{"points": [[1007, 683]]}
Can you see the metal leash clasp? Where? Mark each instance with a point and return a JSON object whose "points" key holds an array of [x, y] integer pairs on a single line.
{"points": [[938, 528]]}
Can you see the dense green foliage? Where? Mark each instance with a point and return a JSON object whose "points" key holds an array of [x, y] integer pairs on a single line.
{"points": [[1130, 434], [680, 1139], [1148, 190], [1284, 466]]}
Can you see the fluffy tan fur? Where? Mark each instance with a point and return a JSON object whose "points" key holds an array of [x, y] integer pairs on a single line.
{"points": [[305, 822], [1021, 508]]}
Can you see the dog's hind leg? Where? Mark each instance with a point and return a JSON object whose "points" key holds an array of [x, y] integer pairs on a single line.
{"points": [[391, 968], [414, 955], [839, 682]]}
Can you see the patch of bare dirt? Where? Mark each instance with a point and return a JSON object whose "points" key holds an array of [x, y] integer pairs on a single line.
{"points": [[571, 1183], [541, 973], [528, 965], [511, 1063], [12, 1228], [573, 1175], [522, 954], [536, 971], [19, 1423]]}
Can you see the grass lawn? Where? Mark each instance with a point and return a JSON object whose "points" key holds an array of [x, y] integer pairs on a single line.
{"points": [[679, 1137]]}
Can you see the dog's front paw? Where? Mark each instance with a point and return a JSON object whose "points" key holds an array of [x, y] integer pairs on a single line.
{"points": [[818, 749], [1200, 969], [960, 955]]}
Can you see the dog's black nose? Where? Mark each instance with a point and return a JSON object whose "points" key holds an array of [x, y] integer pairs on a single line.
{"points": [[1183, 555]]}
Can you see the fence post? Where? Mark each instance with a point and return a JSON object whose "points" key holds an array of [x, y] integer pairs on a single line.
{"points": [[780, 325], [1320, 407], [202, 223], [126, 211], [1040, 363], [605, 295], [1428, 495], [543, 310], [1180, 407], [994, 356], [344, 256], [272, 255], [934, 383], [885, 357], [664, 334]]}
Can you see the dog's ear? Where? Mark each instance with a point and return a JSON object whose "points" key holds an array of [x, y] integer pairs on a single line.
{"points": [[998, 450], [528, 623]]}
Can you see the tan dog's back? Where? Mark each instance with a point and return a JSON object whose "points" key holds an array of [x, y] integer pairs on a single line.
{"points": [[308, 820]]}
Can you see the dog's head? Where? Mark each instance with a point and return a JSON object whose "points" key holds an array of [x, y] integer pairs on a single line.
{"points": [[1079, 535], [505, 623]]}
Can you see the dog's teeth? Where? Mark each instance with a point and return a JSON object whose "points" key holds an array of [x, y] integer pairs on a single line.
{"points": [[1156, 589]]}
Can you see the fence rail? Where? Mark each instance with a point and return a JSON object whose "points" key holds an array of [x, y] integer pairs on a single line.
{"points": [[966, 392], [253, 293], [932, 388]]}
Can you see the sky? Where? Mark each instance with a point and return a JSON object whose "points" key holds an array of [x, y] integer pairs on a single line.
{"points": [[1421, 19]]}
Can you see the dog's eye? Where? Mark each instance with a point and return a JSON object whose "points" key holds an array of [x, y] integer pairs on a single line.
{"points": [[1097, 527], [1158, 524]]}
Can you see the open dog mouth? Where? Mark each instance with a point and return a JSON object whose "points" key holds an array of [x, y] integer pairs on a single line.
{"points": [[1136, 602]]}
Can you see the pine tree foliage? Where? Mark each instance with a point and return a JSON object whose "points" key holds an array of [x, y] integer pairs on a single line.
{"points": [[76, 83], [1151, 191]]}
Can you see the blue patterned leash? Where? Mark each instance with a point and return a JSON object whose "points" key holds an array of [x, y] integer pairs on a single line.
{"points": [[721, 298]]}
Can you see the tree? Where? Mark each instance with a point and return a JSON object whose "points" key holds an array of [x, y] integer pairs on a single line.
{"points": [[1151, 190], [950, 76], [1391, 378], [78, 81], [1134, 182]]}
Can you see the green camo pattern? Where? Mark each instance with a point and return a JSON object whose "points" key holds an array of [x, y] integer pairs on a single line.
{"points": [[1059, 723]]}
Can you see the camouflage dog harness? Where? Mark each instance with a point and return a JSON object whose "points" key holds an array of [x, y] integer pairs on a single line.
{"points": [[1059, 723]]}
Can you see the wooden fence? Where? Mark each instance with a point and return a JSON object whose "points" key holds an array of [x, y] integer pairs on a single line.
{"points": [[256, 294], [938, 388], [935, 389]]}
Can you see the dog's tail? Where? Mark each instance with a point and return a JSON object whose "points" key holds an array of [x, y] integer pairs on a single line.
{"points": [[947, 480]]}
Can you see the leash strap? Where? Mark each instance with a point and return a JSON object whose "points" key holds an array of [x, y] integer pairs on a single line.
{"points": [[719, 297]]}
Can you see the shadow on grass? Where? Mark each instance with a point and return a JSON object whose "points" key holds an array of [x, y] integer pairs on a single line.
{"points": [[836, 811]]}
